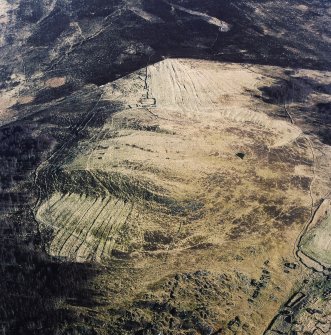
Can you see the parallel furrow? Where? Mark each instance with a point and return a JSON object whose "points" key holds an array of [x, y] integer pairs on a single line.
{"points": [[107, 236], [95, 237], [105, 230], [83, 248], [116, 225], [70, 228], [72, 212], [70, 243]]}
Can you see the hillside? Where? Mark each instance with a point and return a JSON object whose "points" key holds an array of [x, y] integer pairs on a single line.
{"points": [[165, 167]]}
